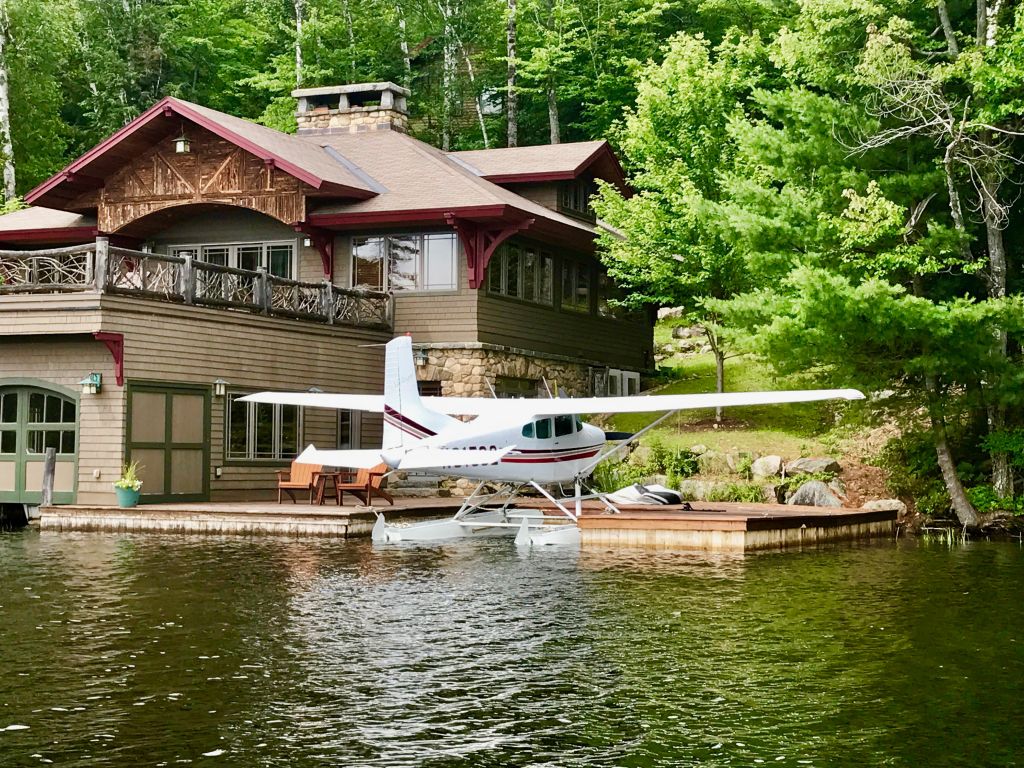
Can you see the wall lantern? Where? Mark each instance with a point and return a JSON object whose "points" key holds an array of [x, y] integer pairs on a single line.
{"points": [[91, 384], [421, 357], [220, 388], [307, 242], [182, 145]]}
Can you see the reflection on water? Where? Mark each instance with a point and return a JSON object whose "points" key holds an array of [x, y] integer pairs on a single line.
{"points": [[149, 650]]}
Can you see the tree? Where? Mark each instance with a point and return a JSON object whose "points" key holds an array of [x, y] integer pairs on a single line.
{"points": [[672, 249]]}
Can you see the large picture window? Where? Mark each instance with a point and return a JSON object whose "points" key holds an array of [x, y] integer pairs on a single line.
{"points": [[262, 431], [410, 262], [521, 272], [277, 258]]}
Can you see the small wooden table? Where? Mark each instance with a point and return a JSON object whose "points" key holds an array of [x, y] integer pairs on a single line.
{"points": [[335, 478]]}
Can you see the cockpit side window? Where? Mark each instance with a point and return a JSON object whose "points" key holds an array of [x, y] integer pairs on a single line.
{"points": [[564, 426], [528, 430], [543, 430], [579, 424]]}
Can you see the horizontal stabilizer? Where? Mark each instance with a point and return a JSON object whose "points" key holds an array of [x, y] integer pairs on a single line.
{"points": [[444, 458], [355, 459]]}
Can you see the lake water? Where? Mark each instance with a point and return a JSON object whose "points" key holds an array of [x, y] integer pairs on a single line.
{"points": [[152, 650]]}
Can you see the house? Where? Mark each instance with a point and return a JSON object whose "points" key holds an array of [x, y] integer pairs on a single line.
{"points": [[194, 256]]}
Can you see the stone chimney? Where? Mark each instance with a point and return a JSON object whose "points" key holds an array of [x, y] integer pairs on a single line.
{"points": [[352, 108]]}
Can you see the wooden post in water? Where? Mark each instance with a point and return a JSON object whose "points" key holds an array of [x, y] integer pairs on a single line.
{"points": [[49, 467]]}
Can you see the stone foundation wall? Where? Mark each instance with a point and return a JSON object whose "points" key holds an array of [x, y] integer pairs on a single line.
{"points": [[466, 372]]}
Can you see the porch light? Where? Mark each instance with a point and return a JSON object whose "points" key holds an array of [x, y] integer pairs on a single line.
{"points": [[220, 388], [91, 384], [182, 145], [421, 357]]}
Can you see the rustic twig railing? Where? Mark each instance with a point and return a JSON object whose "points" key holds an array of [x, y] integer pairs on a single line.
{"points": [[109, 269], [53, 270]]}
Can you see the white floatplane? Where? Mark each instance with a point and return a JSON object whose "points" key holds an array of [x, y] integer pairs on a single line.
{"points": [[513, 444]]}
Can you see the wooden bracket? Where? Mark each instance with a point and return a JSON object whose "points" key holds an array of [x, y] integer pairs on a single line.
{"points": [[323, 241], [115, 343], [480, 241]]}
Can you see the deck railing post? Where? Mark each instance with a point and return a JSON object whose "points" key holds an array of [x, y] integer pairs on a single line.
{"points": [[49, 469], [101, 259], [328, 301], [188, 281], [265, 298]]}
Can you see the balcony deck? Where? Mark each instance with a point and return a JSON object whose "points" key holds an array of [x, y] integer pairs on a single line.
{"points": [[99, 268]]}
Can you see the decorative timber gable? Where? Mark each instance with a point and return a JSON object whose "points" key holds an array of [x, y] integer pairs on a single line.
{"points": [[214, 171]]}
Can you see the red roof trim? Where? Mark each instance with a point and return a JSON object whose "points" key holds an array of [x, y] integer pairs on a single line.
{"points": [[604, 149], [411, 216], [53, 234], [169, 104]]}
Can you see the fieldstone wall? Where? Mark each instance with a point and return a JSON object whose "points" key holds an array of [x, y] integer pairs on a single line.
{"points": [[466, 372], [352, 120]]}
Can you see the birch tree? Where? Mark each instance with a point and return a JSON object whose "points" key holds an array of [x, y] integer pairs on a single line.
{"points": [[6, 142]]}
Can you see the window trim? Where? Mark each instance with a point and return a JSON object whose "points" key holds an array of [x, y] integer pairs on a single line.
{"points": [[233, 247], [250, 459], [498, 260]]}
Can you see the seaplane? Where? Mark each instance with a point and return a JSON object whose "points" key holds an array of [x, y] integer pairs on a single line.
{"points": [[511, 446]]}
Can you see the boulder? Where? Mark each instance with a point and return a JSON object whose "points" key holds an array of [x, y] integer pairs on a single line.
{"points": [[766, 466], [812, 466], [687, 332], [700, 449], [773, 494], [887, 504], [714, 463], [814, 494], [838, 487]]}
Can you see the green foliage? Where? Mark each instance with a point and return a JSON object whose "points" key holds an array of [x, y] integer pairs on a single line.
{"points": [[986, 500], [746, 492], [910, 463], [1008, 441], [676, 463]]}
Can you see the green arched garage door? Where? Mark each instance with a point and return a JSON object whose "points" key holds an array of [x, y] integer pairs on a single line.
{"points": [[32, 420]]}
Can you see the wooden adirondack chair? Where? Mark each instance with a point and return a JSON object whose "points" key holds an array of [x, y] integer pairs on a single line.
{"points": [[301, 477], [367, 484]]}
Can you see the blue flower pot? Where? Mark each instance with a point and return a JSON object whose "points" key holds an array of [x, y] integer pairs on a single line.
{"points": [[126, 497]]}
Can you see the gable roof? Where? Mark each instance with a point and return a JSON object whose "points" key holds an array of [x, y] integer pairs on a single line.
{"points": [[46, 225], [290, 154], [546, 162], [422, 183]]}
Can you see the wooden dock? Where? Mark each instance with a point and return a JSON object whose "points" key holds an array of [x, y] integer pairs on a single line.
{"points": [[241, 517], [706, 526], [729, 527]]}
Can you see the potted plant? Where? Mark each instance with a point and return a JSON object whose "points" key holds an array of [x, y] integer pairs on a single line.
{"points": [[128, 486]]}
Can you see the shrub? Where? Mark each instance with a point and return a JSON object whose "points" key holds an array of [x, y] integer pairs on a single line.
{"points": [[986, 500], [743, 492]]}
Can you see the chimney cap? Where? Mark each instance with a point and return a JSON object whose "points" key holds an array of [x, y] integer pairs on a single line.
{"points": [[331, 90]]}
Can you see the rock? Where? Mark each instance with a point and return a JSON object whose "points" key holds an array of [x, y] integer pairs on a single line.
{"points": [[887, 504], [838, 487], [814, 494], [687, 332], [812, 466], [713, 463], [694, 490], [670, 312], [772, 494], [766, 466], [700, 449]]}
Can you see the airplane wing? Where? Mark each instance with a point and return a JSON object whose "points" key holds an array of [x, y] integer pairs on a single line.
{"points": [[529, 408], [526, 409], [372, 403], [417, 457]]}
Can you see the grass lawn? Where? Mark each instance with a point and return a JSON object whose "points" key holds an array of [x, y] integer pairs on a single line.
{"points": [[798, 429]]}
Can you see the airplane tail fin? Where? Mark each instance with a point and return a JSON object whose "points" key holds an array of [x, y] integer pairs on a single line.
{"points": [[406, 419]]}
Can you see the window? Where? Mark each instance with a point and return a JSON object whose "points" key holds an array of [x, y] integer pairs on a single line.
{"points": [[412, 262], [277, 258], [564, 425], [429, 388], [262, 431], [9, 422], [51, 423], [349, 428], [575, 286], [574, 197], [507, 386], [521, 272]]}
